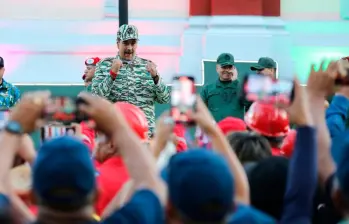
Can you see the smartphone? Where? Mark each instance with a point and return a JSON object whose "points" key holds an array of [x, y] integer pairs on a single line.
{"points": [[343, 72], [264, 89], [183, 99], [64, 110], [56, 130]]}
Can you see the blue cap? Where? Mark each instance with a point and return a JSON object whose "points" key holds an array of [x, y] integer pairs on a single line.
{"points": [[200, 185], [341, 156], [63, 172]]}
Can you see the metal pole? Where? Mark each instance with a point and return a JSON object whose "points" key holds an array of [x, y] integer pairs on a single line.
{"points": [[123, 12]]}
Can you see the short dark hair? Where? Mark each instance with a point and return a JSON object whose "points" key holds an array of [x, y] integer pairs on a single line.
{"points": [[267, 180], [249, 146]]}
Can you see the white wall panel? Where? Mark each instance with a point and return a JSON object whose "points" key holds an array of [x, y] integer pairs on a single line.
{"points": [[159, 8], [52, 9], [310, 10]]}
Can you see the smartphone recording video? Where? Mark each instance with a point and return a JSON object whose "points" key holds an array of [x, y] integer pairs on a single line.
{"points": [[63, 110], [264, 89], [183, 99], [56, 130]]}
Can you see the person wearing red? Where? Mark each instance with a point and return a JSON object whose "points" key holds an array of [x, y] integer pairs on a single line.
{"points": [[89, 71], [231, 124], [179, 131], [288, 143], [112, 172], [270, 122]]}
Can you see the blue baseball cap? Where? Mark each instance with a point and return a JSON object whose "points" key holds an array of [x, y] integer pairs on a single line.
{"points": [[200, 184], [63, 173]]}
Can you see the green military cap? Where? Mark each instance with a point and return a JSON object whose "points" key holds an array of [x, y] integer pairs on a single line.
{"points": [[263, 63], [127, 32], [225, 59]]}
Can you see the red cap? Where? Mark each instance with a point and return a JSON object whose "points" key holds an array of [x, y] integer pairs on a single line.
{"points": [[92, 61], [135, 118], [231, 124]]}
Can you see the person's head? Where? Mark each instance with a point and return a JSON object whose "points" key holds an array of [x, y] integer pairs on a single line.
{"points": [[201, 187], [249, 146], [231, 124], [104, 150], [265, 66], [2, 67], [64, 176], [267, 179], [90, 69], [225, 67], [269, 121], [127, 40]]}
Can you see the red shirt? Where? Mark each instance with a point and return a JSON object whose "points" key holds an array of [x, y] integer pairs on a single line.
{"points": [[276, 152], [112, 174]]}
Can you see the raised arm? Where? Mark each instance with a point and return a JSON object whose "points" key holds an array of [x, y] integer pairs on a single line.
{"points": [[102, 81]]}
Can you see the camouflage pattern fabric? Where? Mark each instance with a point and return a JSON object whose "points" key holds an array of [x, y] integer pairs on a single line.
{"points": [[88, 88], [133, 84], [127, 32], [9, 95]]}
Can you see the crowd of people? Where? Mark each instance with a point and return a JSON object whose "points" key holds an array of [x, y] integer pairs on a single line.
{"points": [[122, 166]]}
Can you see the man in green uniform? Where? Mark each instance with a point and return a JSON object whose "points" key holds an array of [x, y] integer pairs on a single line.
{"points": [[265, 66], [89, 72], [222, 96], [9, 94], [129, 78]]}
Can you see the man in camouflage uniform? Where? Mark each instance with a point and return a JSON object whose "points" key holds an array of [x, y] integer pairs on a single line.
{"points": [[130, 78], [9, 94]]}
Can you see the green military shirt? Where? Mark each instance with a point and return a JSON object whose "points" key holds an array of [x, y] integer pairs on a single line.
{"points": [[133, 84], [222, 99], [88, 88]]}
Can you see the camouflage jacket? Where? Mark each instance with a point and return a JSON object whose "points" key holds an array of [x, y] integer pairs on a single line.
{"points": [[9, 95], [133, 84]]}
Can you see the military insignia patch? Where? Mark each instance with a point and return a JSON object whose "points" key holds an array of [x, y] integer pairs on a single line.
{"points": [[130, 31]]}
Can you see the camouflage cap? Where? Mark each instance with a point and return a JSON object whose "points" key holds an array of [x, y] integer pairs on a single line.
{"points": [[225, 59], [127, 32], [263, 63]]}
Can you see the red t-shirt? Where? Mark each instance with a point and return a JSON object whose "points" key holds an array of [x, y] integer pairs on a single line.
{"points": [[112, 175]]}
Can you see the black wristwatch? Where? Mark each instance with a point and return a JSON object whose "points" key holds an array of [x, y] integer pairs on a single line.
{"points": [[13, 127]]}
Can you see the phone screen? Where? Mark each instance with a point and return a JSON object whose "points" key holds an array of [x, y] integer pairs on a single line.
{"points": [[263, 88], [183, 98], [64, 110], [54, 131]]}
